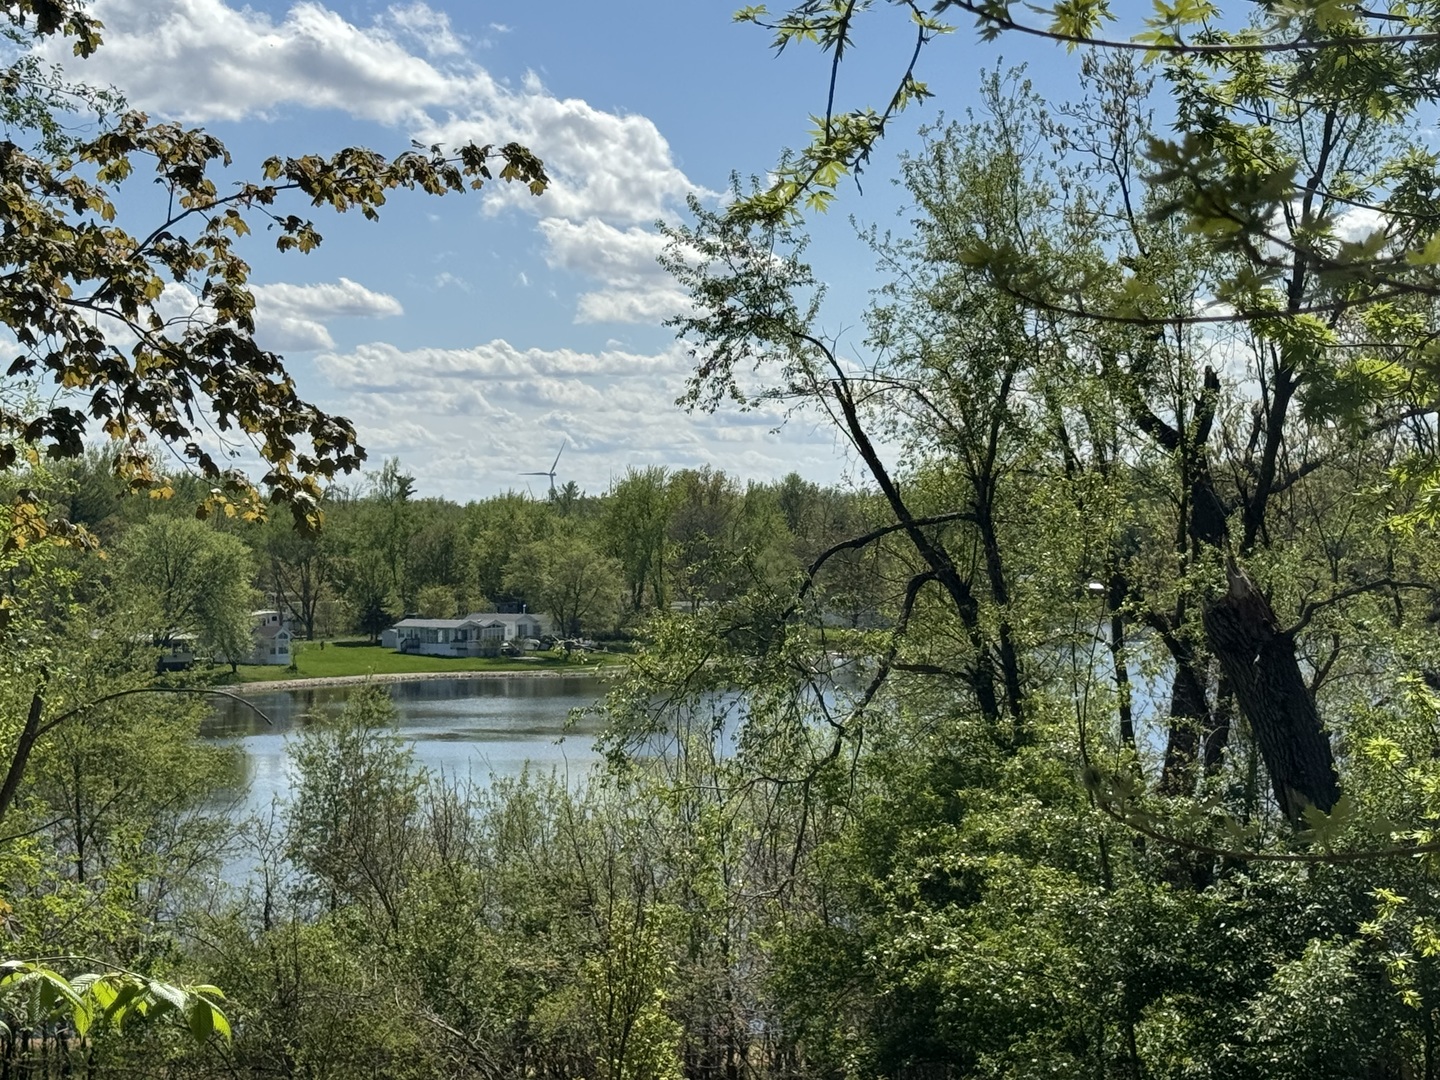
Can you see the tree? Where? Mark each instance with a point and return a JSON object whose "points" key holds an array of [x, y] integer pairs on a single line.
{"points": [[391, 525], [79, 291], [1288, 128], [351, 826], [498, 528], [366, 588], [637, 516], [436, 602], [180, 576], [704, 502], [1183, 519], [299, 569], [569, 579], [438, 556]]}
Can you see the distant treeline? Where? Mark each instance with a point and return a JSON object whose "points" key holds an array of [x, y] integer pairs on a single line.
{"points": [[596, 563]]}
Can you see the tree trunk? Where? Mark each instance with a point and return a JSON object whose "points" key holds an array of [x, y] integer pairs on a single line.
{"points": [[1122, 681], [1217, 733], [982, 678], [21, 756], [1189, 715], [1259, 660]]}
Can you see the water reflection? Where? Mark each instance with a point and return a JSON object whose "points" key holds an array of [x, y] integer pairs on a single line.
{"points": [[474, 728]]}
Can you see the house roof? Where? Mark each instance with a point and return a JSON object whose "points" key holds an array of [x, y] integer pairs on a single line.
{"points": [[271, 630], [445, 624], [475, 620]]}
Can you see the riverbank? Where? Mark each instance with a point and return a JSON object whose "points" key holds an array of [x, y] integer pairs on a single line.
{"points": [[571, 671], [319, 663]]}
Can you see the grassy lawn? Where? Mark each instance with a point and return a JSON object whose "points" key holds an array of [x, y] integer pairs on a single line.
{"points": [[362, 658]]}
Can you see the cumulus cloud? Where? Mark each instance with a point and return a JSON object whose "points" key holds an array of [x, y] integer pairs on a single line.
{"points": [[292, 318], [637, 289], [206, 60], [1358, 222], [630, 306], [602, 164], [425, 27], [202, 60], [380, 365], [493, 410], [625, 257]]}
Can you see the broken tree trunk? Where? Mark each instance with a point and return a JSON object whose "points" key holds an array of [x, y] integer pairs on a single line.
{"points": [[1258, 658]]}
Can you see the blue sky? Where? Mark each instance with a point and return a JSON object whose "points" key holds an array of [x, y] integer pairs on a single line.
{"points": [[470, 335]]}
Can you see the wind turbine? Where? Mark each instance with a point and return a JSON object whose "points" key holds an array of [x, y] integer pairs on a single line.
{"points": [[551, 473]]}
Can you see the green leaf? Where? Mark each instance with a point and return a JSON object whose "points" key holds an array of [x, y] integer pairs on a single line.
{"points": [[219, 1023], [200, 1016], [1429, 255], [168, 996]]}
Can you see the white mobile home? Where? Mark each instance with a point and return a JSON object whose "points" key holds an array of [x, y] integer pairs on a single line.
{"points": [[479, 634]]}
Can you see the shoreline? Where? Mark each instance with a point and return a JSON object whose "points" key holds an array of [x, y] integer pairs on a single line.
{"points": [[261, 687]]}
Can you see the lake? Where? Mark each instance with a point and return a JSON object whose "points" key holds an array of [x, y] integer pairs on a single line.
{"points": [[474, 728]]}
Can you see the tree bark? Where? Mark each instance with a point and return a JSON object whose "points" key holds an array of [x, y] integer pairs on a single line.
{"points": [[1217, 733], [21, 756], [1122, 673], [982, 676], [1258, 659], [1189, 715]]}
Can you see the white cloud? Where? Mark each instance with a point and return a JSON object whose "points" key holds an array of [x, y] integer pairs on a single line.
{"points": [[199, 60], [446, 279], [292, 318], [615, 167], [202, 60], [425, 27], [630, 306], [491, 411], [623, 257], [638, 289], [1356, 223], [382, 365]]}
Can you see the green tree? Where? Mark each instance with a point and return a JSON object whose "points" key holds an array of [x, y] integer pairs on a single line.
{"points": [[704, 502], [352, 822], [178, 576], [498, 528], [390, 519], [635, 525], [436, 602], [569, 579], [1136, 489], [366, 587], [298, 569]]}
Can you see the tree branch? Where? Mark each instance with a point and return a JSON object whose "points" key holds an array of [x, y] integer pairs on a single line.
{"points": [[1311, 608]]}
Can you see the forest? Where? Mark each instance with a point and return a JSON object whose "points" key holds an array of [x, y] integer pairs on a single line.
{"points": [[1093, 730]]}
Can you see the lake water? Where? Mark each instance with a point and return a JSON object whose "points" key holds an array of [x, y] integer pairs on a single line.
{"points": [[474, 728]]}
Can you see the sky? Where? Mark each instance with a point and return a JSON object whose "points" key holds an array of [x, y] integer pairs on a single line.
{"points": [[473, 336]]}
